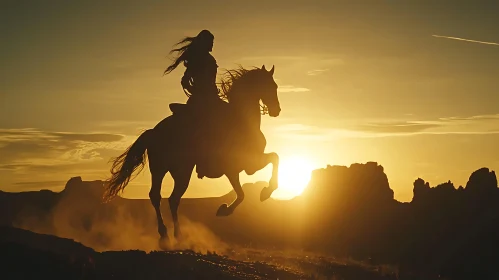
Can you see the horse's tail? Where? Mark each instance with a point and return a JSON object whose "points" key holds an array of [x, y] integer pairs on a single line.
{"points": [[133, 159]]}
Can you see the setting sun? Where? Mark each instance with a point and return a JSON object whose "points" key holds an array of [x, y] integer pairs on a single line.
{"points": [[294, 175]]}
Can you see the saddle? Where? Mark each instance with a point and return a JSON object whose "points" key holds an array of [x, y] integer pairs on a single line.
{"points": [[208, 136]]}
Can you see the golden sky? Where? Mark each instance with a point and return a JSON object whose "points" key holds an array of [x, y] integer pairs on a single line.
{"points": [[410, 84]]}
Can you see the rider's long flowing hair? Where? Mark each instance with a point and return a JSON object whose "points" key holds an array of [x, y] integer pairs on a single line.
{"points": [[191, 45]]}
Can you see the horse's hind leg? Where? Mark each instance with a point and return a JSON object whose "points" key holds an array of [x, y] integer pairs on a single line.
{"points": [[155, 197], [259, 163], [224, 209], [181, 176]]}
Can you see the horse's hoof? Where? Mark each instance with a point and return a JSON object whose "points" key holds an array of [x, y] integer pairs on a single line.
{"points": [[224, 210], [265, 193], [162, 231], [177, 234], [164, 243]]}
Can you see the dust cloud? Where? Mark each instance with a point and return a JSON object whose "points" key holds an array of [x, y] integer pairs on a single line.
{"points": [[115, 226]]}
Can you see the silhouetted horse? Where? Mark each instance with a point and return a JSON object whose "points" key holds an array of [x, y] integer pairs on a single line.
{"points": [[173, 145]]}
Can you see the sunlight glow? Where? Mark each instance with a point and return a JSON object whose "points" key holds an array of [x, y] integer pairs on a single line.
{"points": [[294, 175]]}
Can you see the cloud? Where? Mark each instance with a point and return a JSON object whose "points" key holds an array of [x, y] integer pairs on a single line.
{"points": [[290, 88], [472, 118], [397, 127], [11, 167], [89, 137], [310, 133], [273, 57], [319, 63], [34, 185], [125, 125], [28, 148], [23, 134], [466, 40], [470, 125], [316, 72]]}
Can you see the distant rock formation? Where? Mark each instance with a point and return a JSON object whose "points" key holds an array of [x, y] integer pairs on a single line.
{"points": [[423, 193], [482, 181], [357, 184], [87, 189]]}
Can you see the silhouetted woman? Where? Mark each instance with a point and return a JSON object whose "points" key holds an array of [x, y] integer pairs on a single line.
{"points": [[199, 80], [199, 83]]}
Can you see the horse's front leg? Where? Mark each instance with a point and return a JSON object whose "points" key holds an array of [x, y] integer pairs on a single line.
{"points": [[224, 209], [259, 163]]}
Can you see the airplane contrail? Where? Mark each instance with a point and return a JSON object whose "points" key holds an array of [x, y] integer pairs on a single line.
{"points": [[466, 40]]}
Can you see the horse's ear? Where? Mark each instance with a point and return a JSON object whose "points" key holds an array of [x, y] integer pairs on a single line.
{"points": [[263, 67], [272, 70]]}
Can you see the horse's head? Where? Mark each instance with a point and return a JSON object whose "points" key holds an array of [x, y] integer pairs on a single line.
{"points": [[267, 88], [247, 87]]}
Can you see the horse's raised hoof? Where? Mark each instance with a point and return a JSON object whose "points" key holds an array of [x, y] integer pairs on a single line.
{"points": [[224, 210], [265, 193]]}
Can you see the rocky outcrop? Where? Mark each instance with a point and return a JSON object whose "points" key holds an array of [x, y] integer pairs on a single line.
{"points": [[482, 185], [88, 190], [482, 181], [359, 184], [425, 194]]}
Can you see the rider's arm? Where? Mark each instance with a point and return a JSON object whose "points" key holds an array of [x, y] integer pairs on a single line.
{"points": [[186, 79]]}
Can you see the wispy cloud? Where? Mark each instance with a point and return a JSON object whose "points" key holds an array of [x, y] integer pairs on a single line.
{"points": [[23, 134], [471, 125], [472, 118], [466, 40], [28, 148], [290, 88], [312, 133], [397, 127], [316, 72], [273, 57], [36, 185]]}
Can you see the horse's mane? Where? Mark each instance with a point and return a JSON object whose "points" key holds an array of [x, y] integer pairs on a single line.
{"points": [[231, 78]]}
